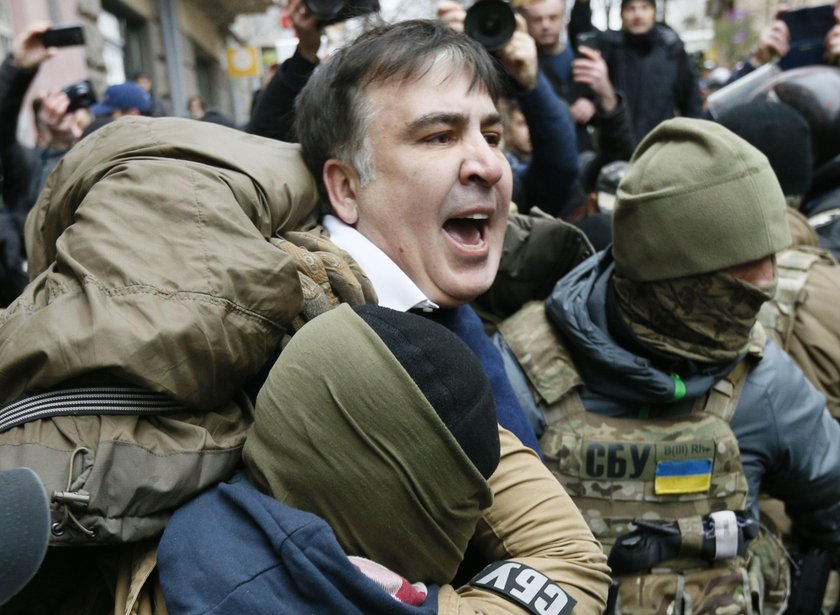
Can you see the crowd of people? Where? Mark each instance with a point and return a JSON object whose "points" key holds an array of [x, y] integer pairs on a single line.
{"points": [[440, 330]]}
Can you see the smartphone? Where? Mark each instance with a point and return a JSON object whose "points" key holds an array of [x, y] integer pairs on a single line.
{"points": [[63, 36], [808, 27], [587, 39]]}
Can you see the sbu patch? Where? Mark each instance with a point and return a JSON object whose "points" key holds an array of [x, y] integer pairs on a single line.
{"points": [[525, 586]]}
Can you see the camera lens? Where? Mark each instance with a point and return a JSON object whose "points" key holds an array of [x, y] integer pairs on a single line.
{"points": [[324, 10], [491, 23]]}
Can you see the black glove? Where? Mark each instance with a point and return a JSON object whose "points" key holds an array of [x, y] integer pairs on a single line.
{"points": [[645, 547], [656, 541]]}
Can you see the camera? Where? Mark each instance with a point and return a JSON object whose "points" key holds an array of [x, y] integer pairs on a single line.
{"points": [[81, 94], [491, 23], [327, 12]]}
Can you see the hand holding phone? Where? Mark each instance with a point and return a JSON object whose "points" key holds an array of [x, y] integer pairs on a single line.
{"points": [[808, 29], [586, 39], [63, 36]]}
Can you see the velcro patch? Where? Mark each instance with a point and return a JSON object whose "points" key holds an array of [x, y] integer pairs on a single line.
{"points": [[683, 476], [525, 586]]}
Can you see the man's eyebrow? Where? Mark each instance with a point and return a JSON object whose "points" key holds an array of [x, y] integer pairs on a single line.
{"points": [[444, 118], [435, 119], [491, 119]]}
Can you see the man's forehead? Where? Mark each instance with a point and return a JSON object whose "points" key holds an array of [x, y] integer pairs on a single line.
{"points": [[545, 6], [636, 3], [444, 82]]}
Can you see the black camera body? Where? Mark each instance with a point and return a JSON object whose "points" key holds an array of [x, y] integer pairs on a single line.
{"points": [[587, 39], [491, 23], [81, 94], [327, 12]]}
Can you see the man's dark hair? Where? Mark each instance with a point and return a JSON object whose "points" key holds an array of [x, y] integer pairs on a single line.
{"points": [[332, 112]]}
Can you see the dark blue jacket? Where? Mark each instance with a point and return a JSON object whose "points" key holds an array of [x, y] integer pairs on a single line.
{"points": [[465, 323], [235, 550], [548, 179]]}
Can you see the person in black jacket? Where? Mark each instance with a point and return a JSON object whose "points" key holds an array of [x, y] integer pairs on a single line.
{"points": [[25, 169], [648, 63], [273, 114]]}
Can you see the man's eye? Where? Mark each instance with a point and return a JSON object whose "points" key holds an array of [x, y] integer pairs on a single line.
{"points": [[440, 139], [493, 138]]}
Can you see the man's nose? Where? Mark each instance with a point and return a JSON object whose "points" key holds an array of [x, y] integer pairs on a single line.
{"points": [[482, 163]]}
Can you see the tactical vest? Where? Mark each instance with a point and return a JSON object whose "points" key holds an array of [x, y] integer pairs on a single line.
{"points": [[793, 266], [778, 316], [665, 469], [801, 319]]}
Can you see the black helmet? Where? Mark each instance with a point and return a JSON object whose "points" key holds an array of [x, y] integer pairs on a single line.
{"points": [[814, 91]]}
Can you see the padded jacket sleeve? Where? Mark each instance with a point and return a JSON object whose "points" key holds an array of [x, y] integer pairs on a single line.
{"points": [[274, 114], [791, 443], [553, 170]]}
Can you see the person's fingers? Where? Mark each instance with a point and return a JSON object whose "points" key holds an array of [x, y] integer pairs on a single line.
{"points": [[589, 52]]}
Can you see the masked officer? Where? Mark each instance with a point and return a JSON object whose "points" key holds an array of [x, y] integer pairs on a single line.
{"points": [[667, 411]]}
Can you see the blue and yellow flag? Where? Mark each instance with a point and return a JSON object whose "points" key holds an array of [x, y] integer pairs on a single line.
{"points": [[683, 476]]}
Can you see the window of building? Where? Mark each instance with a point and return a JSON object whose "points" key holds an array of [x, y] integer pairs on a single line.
{"points": [[125, 48], [113, 47], [206, 71]]}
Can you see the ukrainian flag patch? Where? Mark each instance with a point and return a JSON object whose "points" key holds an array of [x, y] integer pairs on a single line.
{"points": [[683, 476]]}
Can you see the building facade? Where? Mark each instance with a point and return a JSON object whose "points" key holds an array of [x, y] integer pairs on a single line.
{"points": [[179, 44]]}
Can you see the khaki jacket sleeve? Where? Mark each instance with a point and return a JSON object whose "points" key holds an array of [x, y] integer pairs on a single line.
{"points": [[533, 521]]}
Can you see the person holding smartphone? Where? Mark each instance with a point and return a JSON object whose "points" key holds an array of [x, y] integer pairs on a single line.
{"points": [[25, 169]]}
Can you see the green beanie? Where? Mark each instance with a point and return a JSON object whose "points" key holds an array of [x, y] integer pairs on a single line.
{"points": [[696, 199]]}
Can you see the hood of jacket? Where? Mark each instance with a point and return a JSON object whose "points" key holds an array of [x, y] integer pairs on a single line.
{"points": [[578, 308]]}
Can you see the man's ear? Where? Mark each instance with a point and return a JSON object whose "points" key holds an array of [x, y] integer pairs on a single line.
{"points": [[342, 184]]}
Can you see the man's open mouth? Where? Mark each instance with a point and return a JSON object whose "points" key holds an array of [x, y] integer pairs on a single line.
{"points": [[469, 231]]}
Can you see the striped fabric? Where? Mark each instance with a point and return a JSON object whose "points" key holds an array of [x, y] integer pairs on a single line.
{"points": [[86, 401]]}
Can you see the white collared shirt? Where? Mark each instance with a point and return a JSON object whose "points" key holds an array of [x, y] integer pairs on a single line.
{"points": [[393, 287]]}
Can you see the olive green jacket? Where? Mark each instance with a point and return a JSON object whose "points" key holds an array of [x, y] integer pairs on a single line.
{"points": [[139, 291]]}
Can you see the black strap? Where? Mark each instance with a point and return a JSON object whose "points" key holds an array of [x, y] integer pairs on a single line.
{"points": [[114, 400]]}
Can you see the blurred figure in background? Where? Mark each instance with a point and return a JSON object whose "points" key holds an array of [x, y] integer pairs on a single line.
{"points": [[144, 81], [60, 122]]}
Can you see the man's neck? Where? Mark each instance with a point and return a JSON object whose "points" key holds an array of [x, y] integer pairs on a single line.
{"points": [[393, 287]]}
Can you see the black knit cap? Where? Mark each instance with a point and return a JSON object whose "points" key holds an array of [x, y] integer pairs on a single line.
{"points": [[779, 132], [449, 376]]}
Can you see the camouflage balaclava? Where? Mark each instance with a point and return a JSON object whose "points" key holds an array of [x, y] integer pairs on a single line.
{"points": [[696, 200]]}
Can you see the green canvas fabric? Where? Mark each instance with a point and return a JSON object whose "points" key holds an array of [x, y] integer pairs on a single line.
{"points": [[368, 454], [148, 257]]}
